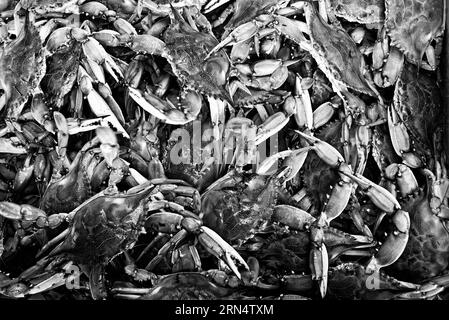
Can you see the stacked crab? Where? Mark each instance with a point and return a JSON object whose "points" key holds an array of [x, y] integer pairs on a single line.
{"points": [[133, 141]]}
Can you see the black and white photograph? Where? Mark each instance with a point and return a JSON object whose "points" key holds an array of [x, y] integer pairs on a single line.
{"points": [[245, 151]]}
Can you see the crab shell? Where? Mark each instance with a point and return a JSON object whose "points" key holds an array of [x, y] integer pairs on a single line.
{"points": [[187, 50], [186, 286], [66, 193], [427, 252], [318, 176], [417, 100], [413, 24], [336, 54], [104, 226], [245, 11], [62, 69], [361, 11], [237, 214], [22, 67], [349, 281], [191, 168]]}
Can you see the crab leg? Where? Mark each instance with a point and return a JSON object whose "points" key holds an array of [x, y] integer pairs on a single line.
{"points": [[324, 150], [76, 126], [49, 283], [320, 236], [439, 189], [383, 199], [98, 106], [399, 135], [161, 109], [242, 33], [215, 245], [394, 245]]}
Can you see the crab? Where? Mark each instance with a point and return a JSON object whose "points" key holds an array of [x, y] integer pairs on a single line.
{"points": [[413, 116], [332, 48], [365, 12], [244, 11], [187, 159], [98, 160], [110, 222], [239, 214], [412, 26], [185, 49], [24, 56], [62, 69], [426, 254]]}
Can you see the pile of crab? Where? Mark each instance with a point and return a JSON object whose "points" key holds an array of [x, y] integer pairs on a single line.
{"points": [[195, 149]]}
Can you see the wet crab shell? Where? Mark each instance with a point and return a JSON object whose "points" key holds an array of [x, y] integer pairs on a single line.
{"points": [[186, 286], [417, 100], [184, 159], [104, 226], [364, 11], [62, 69], [427, 252], [187, 50], [22, 67], [349, 281], [413, 24], [68, 192], [246, 10], [237, 214], [336, 53]]}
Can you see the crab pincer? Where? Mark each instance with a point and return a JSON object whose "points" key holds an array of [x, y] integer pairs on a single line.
{"points": [[381, 197], [319, 260], [394, 245], [24, 212], [242, 33], [322, 237], [340, 195], [324, 150], [215, 245], [396, 241]]}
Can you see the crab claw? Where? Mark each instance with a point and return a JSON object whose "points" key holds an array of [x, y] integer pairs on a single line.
{"points": [[439, 189], [404, 177], [339, 198], [293, 217], [49, 283], [84, 125], [63, 132], [394, 245], [268, 163], [294, 30], [94, 50], [164, 110], [24, 212], [145, 43], [215, 245], [319, 265], [109, 144], [271, 126], [381, 197], [324, 150], [241, 33], [97, 104], [425, 292], [428, 290], [399, 135]]}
